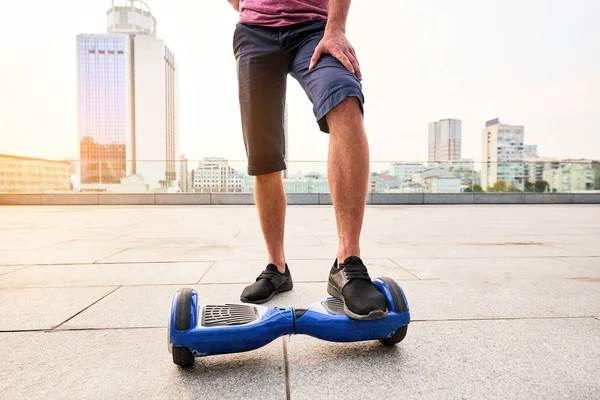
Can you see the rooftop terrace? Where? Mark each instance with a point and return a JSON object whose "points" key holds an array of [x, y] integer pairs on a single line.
{"points": [[505, 302]]}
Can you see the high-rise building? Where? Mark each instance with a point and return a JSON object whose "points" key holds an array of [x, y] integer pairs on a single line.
{"points": [[534, 165], [530, 150], [214, 175], [405, 171], [127, 101], [502, 155], [33, 175], [131, 19], [445, 140], [184, 183], [572, 175]]}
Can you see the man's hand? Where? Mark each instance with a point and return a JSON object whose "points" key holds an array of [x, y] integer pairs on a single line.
{"points": [[235, 4], [336, 44], [334, 40]]}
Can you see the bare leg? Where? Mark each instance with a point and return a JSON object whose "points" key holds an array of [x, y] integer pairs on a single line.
{"points": [[271, 202], [348, 174]]}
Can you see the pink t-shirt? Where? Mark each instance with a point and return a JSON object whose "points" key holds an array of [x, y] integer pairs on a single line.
{"points": [[281, 12]]}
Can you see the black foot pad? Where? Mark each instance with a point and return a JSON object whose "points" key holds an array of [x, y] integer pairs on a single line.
{"points": [[228, 314], [334, 305]]}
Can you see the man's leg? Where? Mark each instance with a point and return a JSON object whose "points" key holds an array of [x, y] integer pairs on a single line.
{"points": [[348, 173], [262, 80], [337, 100], [271, 202]]}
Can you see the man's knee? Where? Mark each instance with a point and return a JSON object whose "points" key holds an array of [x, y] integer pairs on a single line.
{"points": [[350, 106], [269, 178], [348, 111], [342, 102]]}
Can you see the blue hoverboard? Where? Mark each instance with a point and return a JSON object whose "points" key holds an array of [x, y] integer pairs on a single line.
{"points": [[197, 330]]}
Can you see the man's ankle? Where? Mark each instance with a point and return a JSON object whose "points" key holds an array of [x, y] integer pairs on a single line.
{"points": [[279, 264], [342, 256]]}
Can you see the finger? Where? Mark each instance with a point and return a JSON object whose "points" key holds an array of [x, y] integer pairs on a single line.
{"points": [[354, 53], [315, 57], [344, 60], [355, 65]]}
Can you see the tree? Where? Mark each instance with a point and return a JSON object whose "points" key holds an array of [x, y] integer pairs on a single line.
{"points": [[513, 188], [538, 187], [541, 186], [474, 188], [499, 186]]}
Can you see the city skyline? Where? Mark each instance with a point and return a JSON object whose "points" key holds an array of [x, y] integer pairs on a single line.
{"points": [[550, 91]]}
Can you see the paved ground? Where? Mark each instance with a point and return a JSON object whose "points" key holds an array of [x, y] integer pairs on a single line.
{"points": [[505, 302]]}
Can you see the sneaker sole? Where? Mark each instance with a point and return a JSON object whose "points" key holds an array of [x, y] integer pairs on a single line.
{"points": [[375, 314], [286, 287]]}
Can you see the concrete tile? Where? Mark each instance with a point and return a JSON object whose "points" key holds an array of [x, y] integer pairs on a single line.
{"points": [[47, 256], [19, 242], [105, 275], [301, 270], [130, 364], [147, 306], [448, 198], [187, 254], [502, 298], [240, 272], [441, 299], [428, 300], [6, 269], [376, 250], [174, 242], [182, 198], [225, 253], [503, 269], [589, 262], [580, 249], [490, 251], [524, 239], [25, 309], [455, 360], [549, 198], [259, 253], [400, 239], [318, 270], [249, 239]]}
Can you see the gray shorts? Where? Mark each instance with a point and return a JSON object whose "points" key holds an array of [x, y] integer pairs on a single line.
{"points": [[265, 56]]}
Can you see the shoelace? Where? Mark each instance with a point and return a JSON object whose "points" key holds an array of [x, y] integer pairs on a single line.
{"points": [[268, 274], [355, 270]]}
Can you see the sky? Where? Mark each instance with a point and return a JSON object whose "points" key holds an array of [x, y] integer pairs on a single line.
{"points": [[534, 63]]}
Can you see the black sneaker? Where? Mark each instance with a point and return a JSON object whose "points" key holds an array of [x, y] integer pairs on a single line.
{"points": [[350, 282], [268, 284]]}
